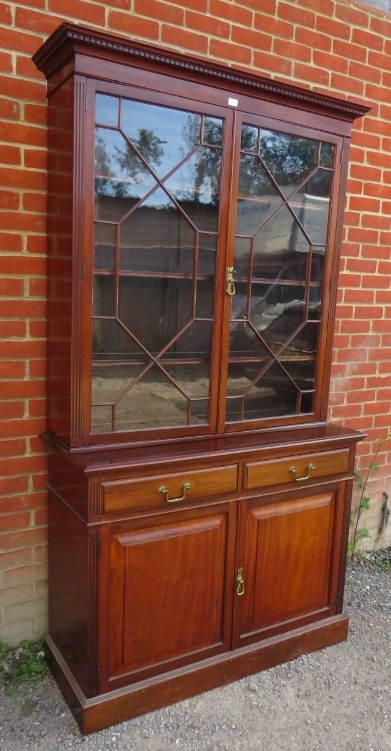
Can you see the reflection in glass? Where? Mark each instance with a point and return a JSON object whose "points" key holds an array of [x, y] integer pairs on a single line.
{"points": [[150, 403], [199, 411], [213, 131], [302, 371], [111, 343], [154, 309], [193, 378], [110, 381], [314, 304], [242, 255], [104, 246], [277, 243], [327, 155], [307, 403], [157, 238], [240, 377], [305, 341], [244, 342], [205, 298], [311, 206], [253, 180], [239, 301], [276, 311], [252, 214], [249, 141], [233, 411], [196, 340], [289, 158], [103, 295], [101, 419], [272, 395], [207, 246], [106, 110], [317, 264], [164, 136], [196, 186]]}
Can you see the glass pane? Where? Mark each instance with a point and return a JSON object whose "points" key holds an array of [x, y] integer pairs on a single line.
{"points": [[152, 402], [239, 302], [196, 187], [302, 371], [205, 298], [106, 110], [327, 155], [249, 141], [163, 136], [213, 131], [110, 381], [154, 310], [240, 377], [307, 403], [111, 342], [233, 411], [103, 295], [192, 378], [272, 396], [101, 419], [195, 341], [305, 341], [157, 238], [253, 180], [104, 246], [242, 255], [311, 205], [276, 244], [289, 158], [317, 264], [278, 311], [199, 412], [314, 304], [207, 246], [251, 214], [243, 341]]}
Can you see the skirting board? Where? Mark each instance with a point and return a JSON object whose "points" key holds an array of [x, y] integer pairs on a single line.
{"points": [[131, 701]]}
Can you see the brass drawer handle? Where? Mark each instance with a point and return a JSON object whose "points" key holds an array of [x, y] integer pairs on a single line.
{"points": [[164, 491], [239, 582], [293, 471]]}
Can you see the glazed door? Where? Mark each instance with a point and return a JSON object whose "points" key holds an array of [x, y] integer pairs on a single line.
{"points": [[278, 304], [161, 187], [286, 561], [169, 600]]}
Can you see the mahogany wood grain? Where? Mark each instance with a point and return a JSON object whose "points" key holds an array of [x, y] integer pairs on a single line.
{"points": [[262, 474]]}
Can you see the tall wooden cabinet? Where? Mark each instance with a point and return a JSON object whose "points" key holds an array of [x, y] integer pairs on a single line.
{"points": [[198, 498]]}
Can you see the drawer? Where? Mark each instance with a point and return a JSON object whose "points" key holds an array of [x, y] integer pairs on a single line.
{"points": [[123, 494], [275, 472]]}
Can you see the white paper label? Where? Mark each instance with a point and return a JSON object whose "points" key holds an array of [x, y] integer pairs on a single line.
{"points": [[233, 102]]}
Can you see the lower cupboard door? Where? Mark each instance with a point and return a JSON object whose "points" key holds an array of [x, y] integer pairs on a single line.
{"points": [[286, 554], [168, 594]]}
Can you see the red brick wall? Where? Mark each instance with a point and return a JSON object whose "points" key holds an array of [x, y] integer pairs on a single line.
{"points": [[330, 45]]}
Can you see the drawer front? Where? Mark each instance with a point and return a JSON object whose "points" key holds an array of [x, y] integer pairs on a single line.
{"points": [[143, 493], [307, 466]]}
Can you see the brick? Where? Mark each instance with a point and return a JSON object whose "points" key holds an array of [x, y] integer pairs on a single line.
{"points": [[160, 11], [35, 202], [361, 368], [268, 6], [363, 235], [346, 410], [350, 51], [37, 244], [364, 72], [11, 287], [230, 12], [13, 485], [35, 113], [185, 39], [10, 154], [16, 447], [251, 38], [330, 61], [296, 15], [380, 222], [264, 61], [17, 428], [359, 297], [10, 411], [274, 26], [77, 9], [24, 574], [313, 75], [10, 110], [26, 222], [43, 23], [352, 15], [25, 68], [362, 327], [207, 25], [367, 140], [369, 40], [231, 52], [132, 24], [364, 266], [292, 50], [12, 369], [9, 199], [18, 41], [15, 558], [14, 632], [12, 595], [6, 65], [366, 173], [346, 84], [332, 28], [40, 553], [22, 134], [312, 39]]}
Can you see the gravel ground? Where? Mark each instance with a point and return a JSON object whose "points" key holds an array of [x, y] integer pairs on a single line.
{"points": [[337, 699]]}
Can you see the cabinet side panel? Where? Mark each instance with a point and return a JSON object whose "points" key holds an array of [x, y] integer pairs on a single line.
{"points": [[68, 587], [60, 242]]}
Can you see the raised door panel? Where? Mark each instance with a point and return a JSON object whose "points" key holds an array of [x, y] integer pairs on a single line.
{"points": [[287, 564], [167, 598]]}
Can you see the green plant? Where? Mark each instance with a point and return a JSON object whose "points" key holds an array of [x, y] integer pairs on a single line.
{"points": [[22, 665], [363, 533]]}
